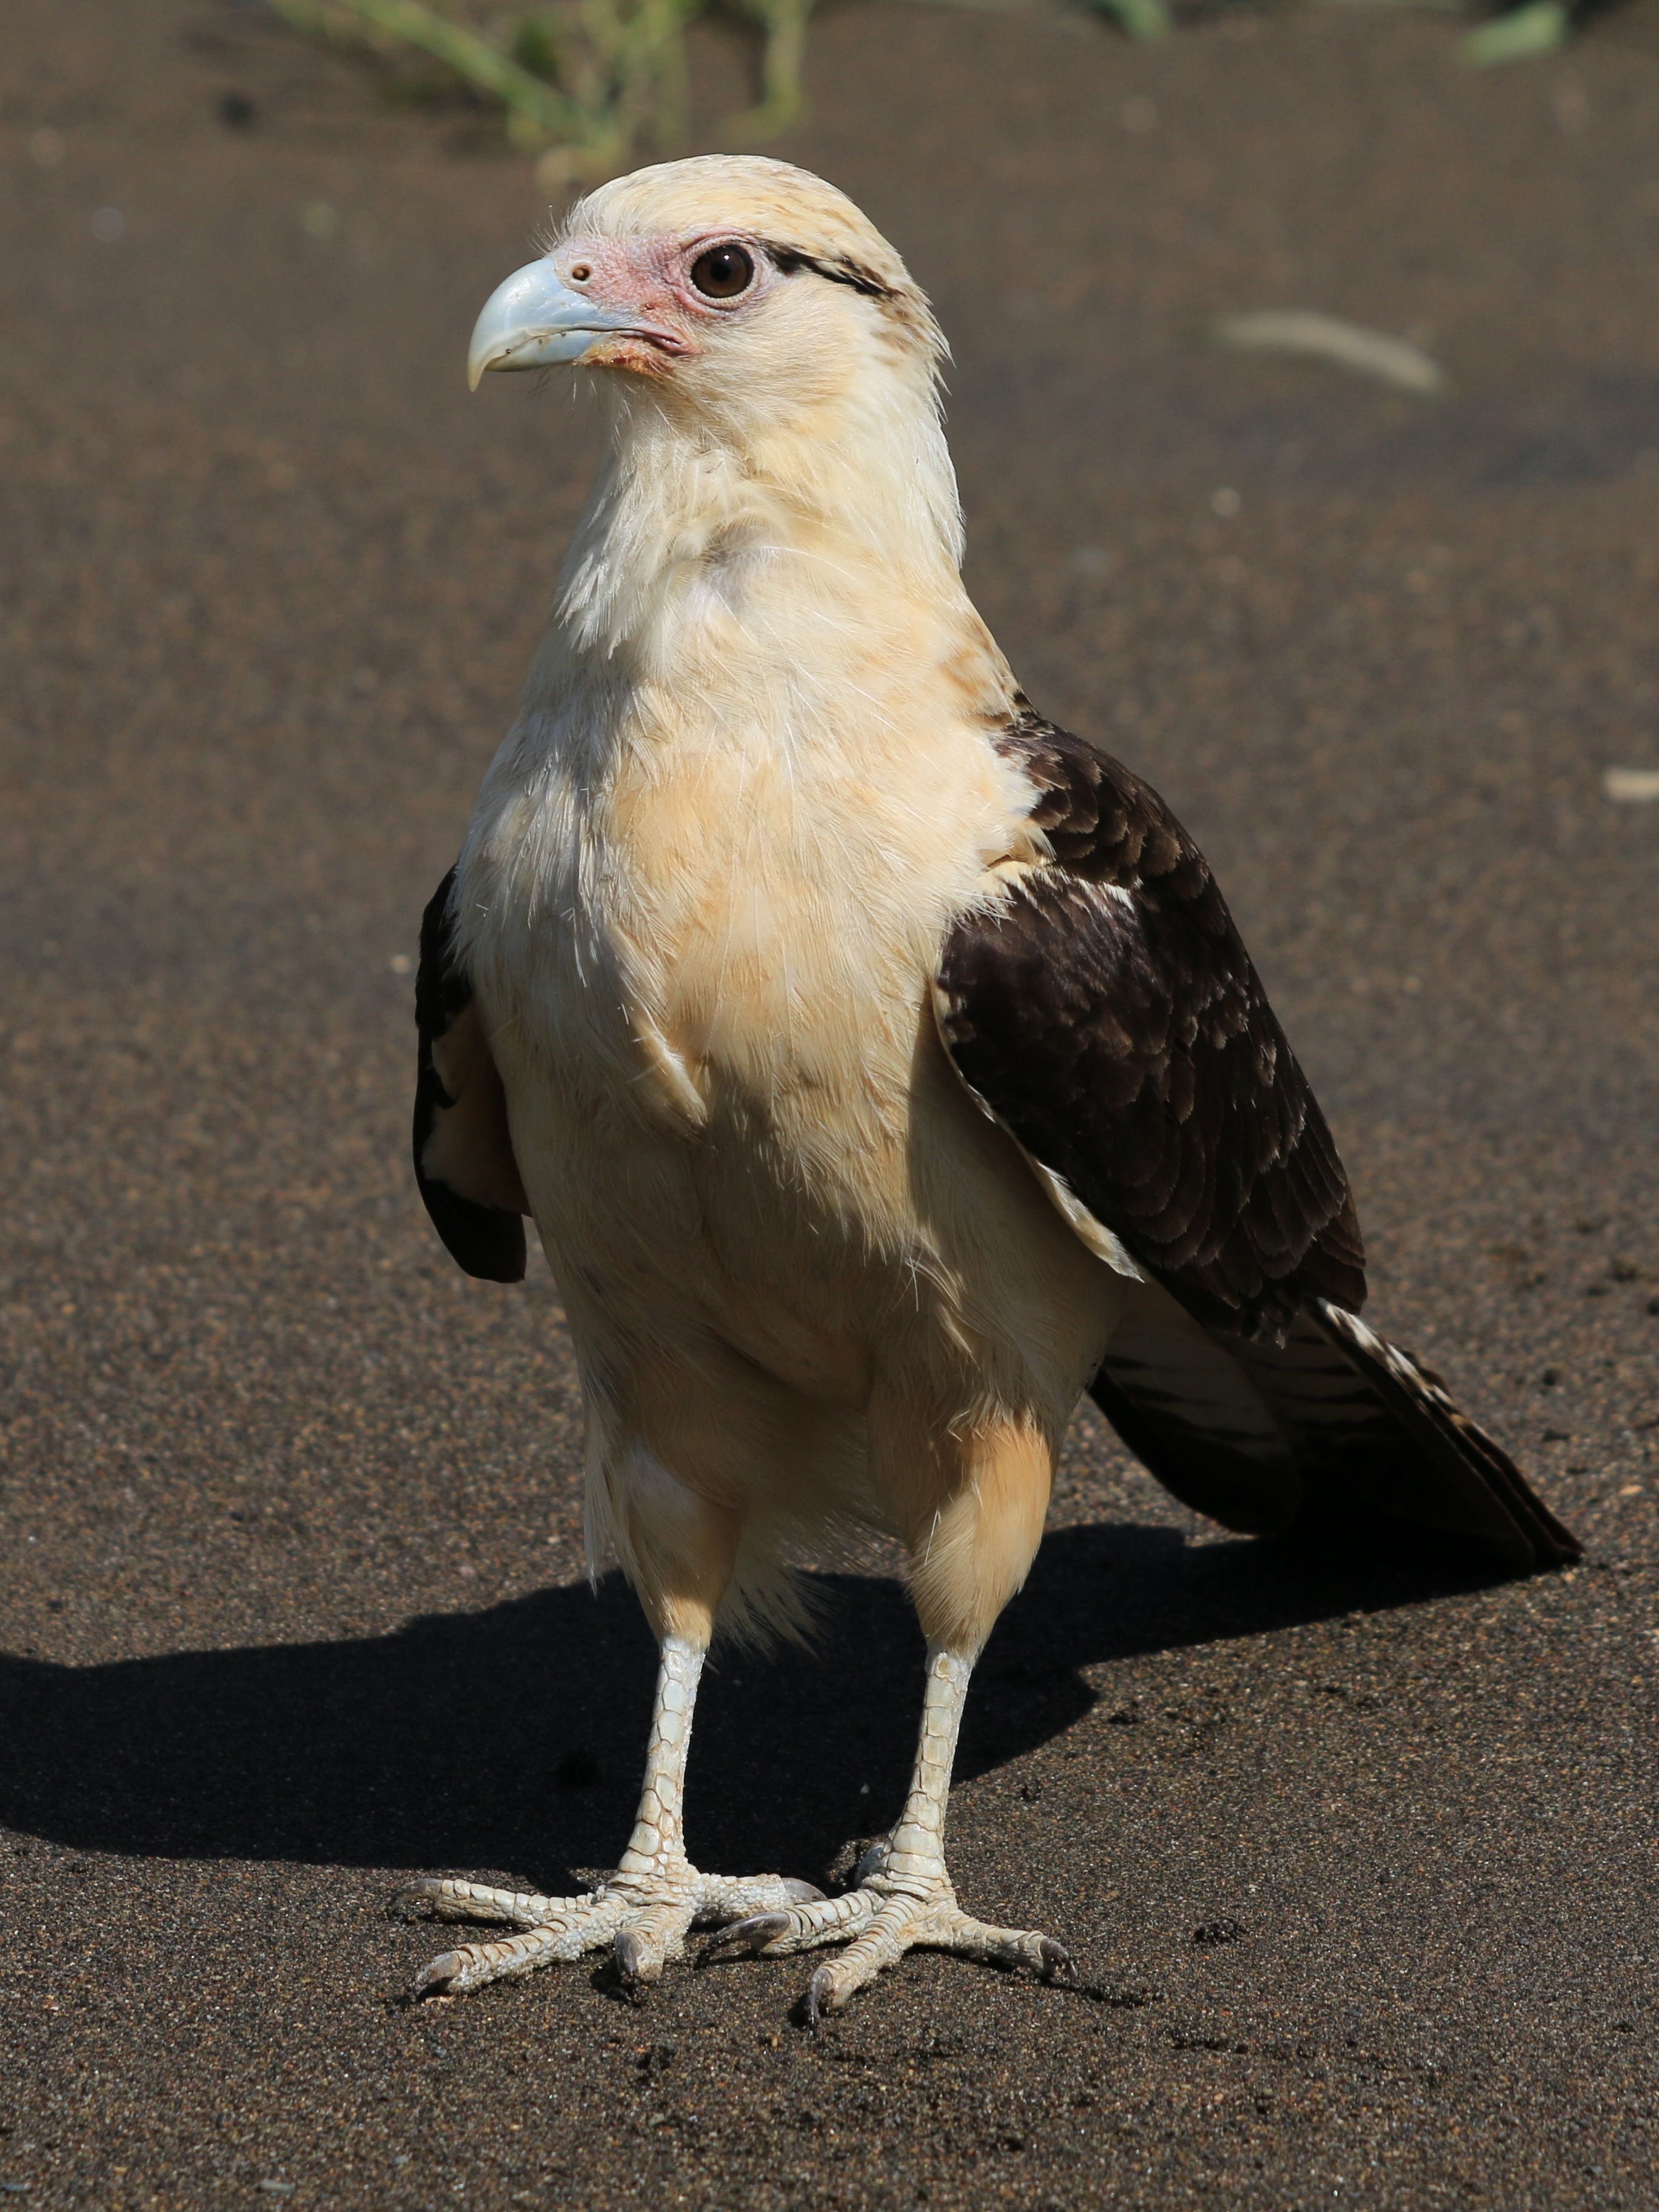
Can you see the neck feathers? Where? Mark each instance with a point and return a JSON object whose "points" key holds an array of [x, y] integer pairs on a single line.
{"points": [[849, 494]]}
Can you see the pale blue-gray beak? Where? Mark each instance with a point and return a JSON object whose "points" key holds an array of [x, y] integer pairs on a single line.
{"points": [[536, 321]]}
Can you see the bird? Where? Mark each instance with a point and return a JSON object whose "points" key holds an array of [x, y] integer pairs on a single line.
{"points": [[879, 1063]]}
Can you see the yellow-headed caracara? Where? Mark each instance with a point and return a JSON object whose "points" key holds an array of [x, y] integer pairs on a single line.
{"points": [[880, 1064]]}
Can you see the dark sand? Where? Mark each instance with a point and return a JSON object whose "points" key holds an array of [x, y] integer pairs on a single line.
{"points": [[292, 1600]]}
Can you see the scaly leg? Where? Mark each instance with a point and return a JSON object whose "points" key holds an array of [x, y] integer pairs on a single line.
{"points": [[905, 1900], [645, 1908]]}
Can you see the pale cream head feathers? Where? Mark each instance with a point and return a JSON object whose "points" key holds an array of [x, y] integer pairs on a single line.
{"points": [[729, 282]]}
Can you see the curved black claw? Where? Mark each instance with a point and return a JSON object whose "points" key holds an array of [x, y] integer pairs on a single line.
{"points": [[639, 1964], [816, 1989], [410, 1902], [1058, 1964], [435, 1977], [757, 1931]]}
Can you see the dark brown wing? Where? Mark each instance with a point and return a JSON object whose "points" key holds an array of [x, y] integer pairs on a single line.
{"points": [[1109, 1016], [464, 1160]]}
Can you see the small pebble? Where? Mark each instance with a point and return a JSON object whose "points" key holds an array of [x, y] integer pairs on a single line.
{"points": [[1631, 786]]}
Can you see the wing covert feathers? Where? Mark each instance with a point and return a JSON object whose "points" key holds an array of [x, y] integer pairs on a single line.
{"points": [[1108, 1014], [464, 1160]]}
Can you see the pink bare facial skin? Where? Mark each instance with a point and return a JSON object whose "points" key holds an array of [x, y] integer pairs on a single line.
{"points": [[649, 280]]}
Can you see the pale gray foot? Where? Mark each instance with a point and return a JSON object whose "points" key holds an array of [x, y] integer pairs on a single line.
{"points": [[645, 1914], [644, 1910], [881, 1919], [902, 1898]]}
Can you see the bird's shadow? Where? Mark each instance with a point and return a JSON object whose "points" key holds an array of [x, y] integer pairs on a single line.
{"points": [[511, 1739]]}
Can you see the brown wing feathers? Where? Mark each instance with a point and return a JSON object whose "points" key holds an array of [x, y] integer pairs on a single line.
{"points": [[1111, 1018], [464, 1160]]}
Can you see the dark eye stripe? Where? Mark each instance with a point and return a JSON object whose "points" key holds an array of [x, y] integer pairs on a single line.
{"points": [[789, 261]]}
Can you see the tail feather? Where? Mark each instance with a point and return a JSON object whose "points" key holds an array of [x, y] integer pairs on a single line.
{"points": [[1346, 1432], [1492, 1495]]}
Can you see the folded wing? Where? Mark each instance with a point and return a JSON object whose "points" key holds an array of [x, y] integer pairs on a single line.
{"points": [[463, 1159], [1104, 1010]]}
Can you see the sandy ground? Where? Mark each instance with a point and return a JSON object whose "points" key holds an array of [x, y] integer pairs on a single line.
{"points": [[1358, 1862]]}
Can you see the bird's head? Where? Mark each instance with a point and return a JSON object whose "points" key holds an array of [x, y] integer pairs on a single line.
{"points": [[743, 293]]}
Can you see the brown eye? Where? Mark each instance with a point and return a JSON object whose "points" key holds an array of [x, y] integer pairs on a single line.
{"points": [[722, 272]]}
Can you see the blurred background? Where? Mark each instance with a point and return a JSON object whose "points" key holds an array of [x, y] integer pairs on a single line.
{"points": [[1306, 403]]}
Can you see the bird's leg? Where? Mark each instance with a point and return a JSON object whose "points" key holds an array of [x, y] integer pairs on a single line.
{"points": [[644, 1909], [903, 1898]]}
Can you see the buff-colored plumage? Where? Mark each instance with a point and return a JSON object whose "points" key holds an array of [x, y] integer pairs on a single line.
{"points": [[771, 804], [751, 782]]}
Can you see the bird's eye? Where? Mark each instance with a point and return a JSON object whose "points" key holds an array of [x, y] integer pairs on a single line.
{"points": [[722, 272]]}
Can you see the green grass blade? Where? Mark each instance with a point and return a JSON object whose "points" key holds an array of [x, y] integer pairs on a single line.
{"points": [[534, 106], [1138, 19], [1538, 29]]}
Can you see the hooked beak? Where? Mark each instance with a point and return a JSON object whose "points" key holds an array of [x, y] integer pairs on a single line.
{"points": [[536, 321]]}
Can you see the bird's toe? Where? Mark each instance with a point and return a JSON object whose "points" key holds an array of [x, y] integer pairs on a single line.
{"points": [[435, 1978], [646, 1920], [898, 1923], [729, 1897], [1058, 1964], [416, 1900], [803, 1926], [638, 1960], [472, 1964], [821, 1998], [432, 1899], [647, 1941], [759, 1929]]}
